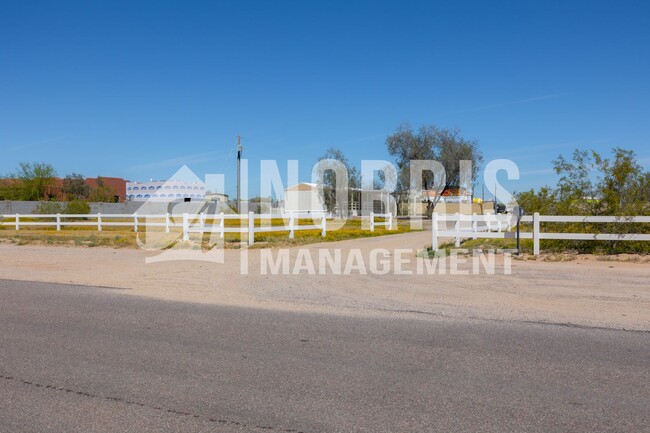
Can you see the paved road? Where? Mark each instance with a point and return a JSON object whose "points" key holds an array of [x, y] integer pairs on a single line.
{"points": [[83, 359]]}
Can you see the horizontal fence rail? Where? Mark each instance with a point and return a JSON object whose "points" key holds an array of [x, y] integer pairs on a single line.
{"points": [[188, 223], [500, 227], [387, 220]]}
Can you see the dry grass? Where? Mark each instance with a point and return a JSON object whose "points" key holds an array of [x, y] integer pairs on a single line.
{"points": [[121, 237]]}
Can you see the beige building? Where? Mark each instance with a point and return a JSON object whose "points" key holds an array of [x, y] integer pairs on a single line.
{"points": [[303, 197]]}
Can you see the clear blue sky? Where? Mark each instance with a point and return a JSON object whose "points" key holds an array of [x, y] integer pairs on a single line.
{"points": [[134, 89]]}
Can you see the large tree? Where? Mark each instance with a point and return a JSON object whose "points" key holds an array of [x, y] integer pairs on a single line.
{"points": [[429, 142], [328, 173], [75, 188]]}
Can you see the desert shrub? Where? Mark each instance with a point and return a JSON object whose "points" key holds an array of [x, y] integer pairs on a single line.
{"points": [[592, 185], [77, 207], [49, 207]]}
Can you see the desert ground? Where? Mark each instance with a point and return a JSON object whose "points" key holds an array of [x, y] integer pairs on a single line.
{"points": [[586, 291], [97, 339]]}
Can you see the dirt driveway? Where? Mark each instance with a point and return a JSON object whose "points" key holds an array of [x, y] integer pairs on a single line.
{"points": [[585, 291]]}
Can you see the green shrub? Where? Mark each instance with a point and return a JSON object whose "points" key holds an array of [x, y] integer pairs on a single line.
{"points": [[77, 207], [49, 207]]}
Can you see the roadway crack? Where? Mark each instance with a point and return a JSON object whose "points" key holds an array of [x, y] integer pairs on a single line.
{"points": [[176, 412]]}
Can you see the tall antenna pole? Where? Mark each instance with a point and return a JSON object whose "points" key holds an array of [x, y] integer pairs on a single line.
{"points": [[239, 150]]}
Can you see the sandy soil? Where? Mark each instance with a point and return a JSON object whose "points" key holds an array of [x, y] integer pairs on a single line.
{"points": [[587, 291]]}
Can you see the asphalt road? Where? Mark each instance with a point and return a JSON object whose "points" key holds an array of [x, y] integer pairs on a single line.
{"points": [[84, 359]]}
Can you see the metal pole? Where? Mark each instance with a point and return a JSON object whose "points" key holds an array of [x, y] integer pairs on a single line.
{"points": [[519, 213], [239, 150], [518, 238]]}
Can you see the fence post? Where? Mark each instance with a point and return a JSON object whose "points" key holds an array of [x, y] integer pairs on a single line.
{"points": [[135, 222], [474, 225], [536, 233], [186, 227], [222, 225], [372, 221], [202, 221], [434, 231], [167, 222], [58, 222], [457, 243], [323, 226], [291, 225], [390, 221], [99, 221], [251, 228], [17, 222]]}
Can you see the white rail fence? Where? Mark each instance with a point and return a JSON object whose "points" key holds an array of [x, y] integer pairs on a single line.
{"points": [[189, 223], [387, 220], [500, 227]]}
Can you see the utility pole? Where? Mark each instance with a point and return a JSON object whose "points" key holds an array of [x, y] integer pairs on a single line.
{"points": [[239, 151]]}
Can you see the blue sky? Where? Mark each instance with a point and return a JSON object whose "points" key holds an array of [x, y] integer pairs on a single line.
{"points": [[136, 89]]}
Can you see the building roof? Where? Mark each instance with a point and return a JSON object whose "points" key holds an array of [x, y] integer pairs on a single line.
{"points": [[302, 186]]}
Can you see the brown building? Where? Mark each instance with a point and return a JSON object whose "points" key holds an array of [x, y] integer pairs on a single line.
{"points": [[117, 184], [55, 191]]}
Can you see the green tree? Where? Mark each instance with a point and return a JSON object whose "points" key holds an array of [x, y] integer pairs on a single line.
{"points": [[75, 188], [591, 184], [102, 193], [31, 181], [329, 187], [543, 201], [429, 142], [594, 185]]}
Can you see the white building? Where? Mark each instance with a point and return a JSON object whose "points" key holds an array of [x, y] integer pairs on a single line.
{"points": [[303, 197], [306, 197], [165, 190]]}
